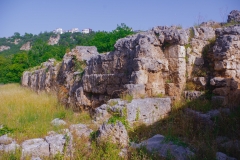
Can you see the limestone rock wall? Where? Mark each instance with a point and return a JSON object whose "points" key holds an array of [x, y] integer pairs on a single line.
{"points": [[226, 60], [43, 78], [160, 61]]}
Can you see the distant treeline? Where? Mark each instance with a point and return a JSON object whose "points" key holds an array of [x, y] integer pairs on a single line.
{"points": [[13, 61]]}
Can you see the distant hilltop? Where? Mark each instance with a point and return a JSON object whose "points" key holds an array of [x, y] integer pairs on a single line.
{"points": [[73, 30]]}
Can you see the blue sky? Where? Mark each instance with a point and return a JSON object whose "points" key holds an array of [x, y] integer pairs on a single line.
{"points": [[35, 16]]}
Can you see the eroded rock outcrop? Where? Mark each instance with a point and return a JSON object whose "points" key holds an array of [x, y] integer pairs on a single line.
{"points": [[226, 62], [7, 144], [43, 78], [161, 61], [26, 46], [234, 16], [54, 39], [2, 48]]}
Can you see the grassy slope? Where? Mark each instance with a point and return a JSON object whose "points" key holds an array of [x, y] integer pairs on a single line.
{"points": [[29, 114]]}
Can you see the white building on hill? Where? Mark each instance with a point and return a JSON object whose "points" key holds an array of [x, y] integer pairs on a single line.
{"points": [[58, 31], [73, 30], [87, 30]]}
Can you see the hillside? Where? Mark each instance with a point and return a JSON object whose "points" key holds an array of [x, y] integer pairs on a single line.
{"points": [[28, 51]]}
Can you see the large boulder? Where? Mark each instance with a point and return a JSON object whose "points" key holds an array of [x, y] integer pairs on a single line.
{"points": [[7, 144], [80, 130], [143, 111], [35, 148], [113, 133], [56, 142]]}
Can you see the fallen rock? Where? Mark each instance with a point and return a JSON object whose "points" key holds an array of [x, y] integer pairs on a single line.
{"points": [[114, 133], [222, 156], [7, 144], [10, 147], [80, 130], [4, 140], [58, 122], [56, 143], [158, 144], [36, 148]]}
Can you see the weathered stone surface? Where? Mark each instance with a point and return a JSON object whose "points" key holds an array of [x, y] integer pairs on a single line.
{"points": [[42, 79], [9, 147], [139, 65], [202, 81], [226, 91], [234, 16], [56, 143], [158, 144], [136, 90], [26, 46], [204, 33], [58, 122], [35, 147], [147, 110], [210, 23], [80, 130], [4, 140], [222, 156], [54, 40], [114, 133], [2, 48], [172, 35], [7, 144]]}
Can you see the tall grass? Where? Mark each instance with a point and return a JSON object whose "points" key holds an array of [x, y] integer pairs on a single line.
{"points": [[29, 115]]}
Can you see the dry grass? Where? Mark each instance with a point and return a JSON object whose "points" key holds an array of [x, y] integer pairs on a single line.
{"points": [[29, 114]]}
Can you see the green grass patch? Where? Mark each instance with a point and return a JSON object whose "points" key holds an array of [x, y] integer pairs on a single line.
{"points": [[26, 114], [127, 97]]}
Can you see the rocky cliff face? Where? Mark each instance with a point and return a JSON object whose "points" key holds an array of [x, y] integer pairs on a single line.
{"points": [[43, 77], [2, 48], [161, 61], [26, 46], [54, 40]]}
